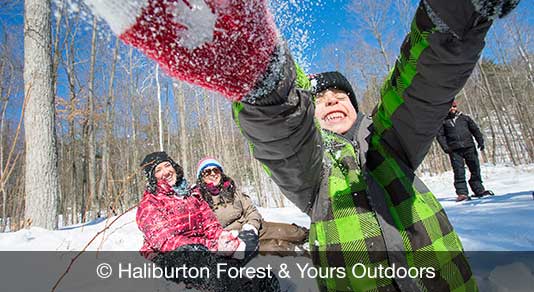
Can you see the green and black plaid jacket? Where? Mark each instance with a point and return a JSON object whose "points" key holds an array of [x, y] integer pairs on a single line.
{"points": [[346, 228], [368, 209]]}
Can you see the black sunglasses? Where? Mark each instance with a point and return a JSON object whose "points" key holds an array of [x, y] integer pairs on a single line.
{"points": [[209, 171]]}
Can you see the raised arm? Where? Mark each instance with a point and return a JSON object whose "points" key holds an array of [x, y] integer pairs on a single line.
{"points": [[436, 59], [281, 130]]}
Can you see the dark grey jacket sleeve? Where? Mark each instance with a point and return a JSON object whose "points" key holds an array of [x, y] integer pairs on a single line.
{"points": [[437, 58], [285, 139], [442, 140], [475, 131]]}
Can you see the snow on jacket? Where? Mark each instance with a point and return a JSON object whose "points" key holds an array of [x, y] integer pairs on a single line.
{"points": [[169, 221], [457, 131]]}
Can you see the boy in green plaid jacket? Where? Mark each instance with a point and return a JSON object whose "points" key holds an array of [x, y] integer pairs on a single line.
{"points": [[354, 175]]}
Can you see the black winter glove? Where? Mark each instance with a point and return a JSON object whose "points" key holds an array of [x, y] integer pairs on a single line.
{"points": [[251, 241]]}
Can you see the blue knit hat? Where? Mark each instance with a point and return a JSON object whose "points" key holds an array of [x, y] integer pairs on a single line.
{"points": [[207, 162]]}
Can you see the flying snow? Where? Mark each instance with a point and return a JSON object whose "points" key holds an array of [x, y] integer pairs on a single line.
{"points": [[199, 21]]}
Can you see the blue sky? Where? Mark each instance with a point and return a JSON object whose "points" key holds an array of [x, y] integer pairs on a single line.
{"points": [[330, 22], [325, 21]]}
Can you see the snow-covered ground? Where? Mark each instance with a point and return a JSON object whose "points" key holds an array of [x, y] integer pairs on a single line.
{"points": [[504, 222], [501, 223]]}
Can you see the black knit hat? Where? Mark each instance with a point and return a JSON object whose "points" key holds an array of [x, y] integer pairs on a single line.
{"points": [[334, 79], [149, 164]]}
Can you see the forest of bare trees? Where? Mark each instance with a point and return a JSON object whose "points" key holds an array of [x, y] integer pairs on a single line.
{"points": [[113, 106], [499, 95]]}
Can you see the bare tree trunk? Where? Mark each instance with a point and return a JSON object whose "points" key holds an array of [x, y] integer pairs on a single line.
{"points": [[383, 52], [522, 108], [262, 198], [4, 96], [57, 51], [18, 205], [372, 17], [207, 118], [483, 106], [76, 197], [91, 147], [223, 137], [497, 113], [515, 33], [133, 107], [108, 122], [235, 153], [183, 139], [55, 65], [510, 124], [469, 107], [166, 117], [160, 110], [201, 115], [41, 176], [523, 120]]}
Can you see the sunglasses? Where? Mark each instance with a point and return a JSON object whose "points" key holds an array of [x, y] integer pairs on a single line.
{"points": [[210, 171]]}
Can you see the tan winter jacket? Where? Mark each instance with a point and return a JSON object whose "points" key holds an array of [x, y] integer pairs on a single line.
{"points": [[234, 216]]}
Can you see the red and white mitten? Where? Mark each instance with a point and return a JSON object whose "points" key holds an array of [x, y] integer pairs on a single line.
{"points": [[227, 243], [223, 45]]}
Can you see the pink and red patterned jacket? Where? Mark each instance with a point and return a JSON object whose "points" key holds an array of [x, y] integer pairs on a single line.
{"points": [[169, 221]]}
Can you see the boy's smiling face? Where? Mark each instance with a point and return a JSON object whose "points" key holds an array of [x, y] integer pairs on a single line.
{"points": [[334, 111]]}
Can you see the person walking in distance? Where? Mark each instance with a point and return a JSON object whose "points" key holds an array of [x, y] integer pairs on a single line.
{"points": [[456, 138]]}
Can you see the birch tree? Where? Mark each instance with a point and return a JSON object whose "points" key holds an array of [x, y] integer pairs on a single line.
{"points": [[41, 176]]}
